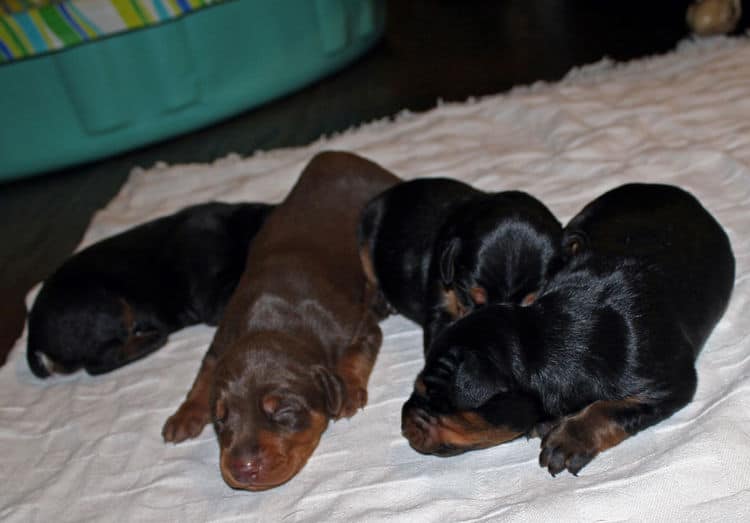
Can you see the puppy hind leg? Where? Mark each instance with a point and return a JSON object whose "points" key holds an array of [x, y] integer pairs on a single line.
{"points": [[579, 438]]}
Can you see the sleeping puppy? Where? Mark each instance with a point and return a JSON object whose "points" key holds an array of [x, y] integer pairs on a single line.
{"points": [[119, 299], [299, 337], [437, 248], [606, 350]]}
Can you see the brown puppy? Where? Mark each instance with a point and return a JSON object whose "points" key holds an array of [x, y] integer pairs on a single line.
{"points": [[299, 338]]}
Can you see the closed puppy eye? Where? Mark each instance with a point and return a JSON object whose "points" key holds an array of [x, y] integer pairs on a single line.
{"points": [[285, 415], [281, 410], [220, 411]]}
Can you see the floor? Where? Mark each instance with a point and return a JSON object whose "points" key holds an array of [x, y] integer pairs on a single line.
{"points": [[432, 49]]}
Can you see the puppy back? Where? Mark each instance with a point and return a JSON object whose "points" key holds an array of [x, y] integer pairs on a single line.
{"points": [[684, 256], [323, 207]]}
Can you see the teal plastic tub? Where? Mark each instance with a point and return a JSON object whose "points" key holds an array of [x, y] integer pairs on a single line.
{"points": [[109, 95]]}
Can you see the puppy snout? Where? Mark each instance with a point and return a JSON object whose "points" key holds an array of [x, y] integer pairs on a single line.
{"points": [[245, 470], [416, 425]]}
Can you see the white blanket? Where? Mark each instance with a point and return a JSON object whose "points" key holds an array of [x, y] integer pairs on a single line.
{"points": [[89, 449]]}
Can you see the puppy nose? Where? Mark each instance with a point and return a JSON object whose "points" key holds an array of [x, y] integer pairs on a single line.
{"points": [[415, 426], [245, 470]]}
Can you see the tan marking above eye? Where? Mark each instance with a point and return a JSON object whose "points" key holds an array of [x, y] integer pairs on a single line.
{"points": [[478, 295], [452, 304], [598, 423], [128, 316], [420, 387], [528, 299]]}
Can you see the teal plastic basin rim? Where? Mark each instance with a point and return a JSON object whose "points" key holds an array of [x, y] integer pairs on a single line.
{"points": [[143, 86]]}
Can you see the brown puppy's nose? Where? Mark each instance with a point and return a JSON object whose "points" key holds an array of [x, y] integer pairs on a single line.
{"points": [[245, 470]]}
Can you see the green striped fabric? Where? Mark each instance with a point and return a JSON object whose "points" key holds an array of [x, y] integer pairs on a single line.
{"points": [[29, 28]]}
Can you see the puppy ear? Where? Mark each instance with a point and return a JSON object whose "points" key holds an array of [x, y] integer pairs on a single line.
{"points": [[474, 382], [447, 260], [332, 387]]}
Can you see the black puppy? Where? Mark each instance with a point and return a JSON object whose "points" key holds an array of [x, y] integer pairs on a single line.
{"points": [[119, 299], [437, 248], [606, 350]]}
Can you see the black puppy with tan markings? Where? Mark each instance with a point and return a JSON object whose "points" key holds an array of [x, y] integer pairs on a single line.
{"points": [[119, 299], [437, 248], [606, 350]]}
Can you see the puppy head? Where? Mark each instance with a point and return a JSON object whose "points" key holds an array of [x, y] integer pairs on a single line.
{"points": [[269, 411], [499, 249], [97, 331], [471, 393]]}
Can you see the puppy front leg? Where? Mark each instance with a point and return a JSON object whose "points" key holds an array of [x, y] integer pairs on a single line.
{"points": [[195, 411], [355, 366]]}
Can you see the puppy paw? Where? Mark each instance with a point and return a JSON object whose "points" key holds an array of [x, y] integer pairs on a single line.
{"points": [[186, 423], [569, 445], [356, 398], [419, 427]]}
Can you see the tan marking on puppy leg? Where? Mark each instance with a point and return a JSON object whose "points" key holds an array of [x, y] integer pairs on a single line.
{"points": [[578, 438], [595, 426], [356, 364]]}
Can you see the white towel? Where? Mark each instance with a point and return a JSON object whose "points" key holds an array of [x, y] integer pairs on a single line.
{"points": [[89, 449]]}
